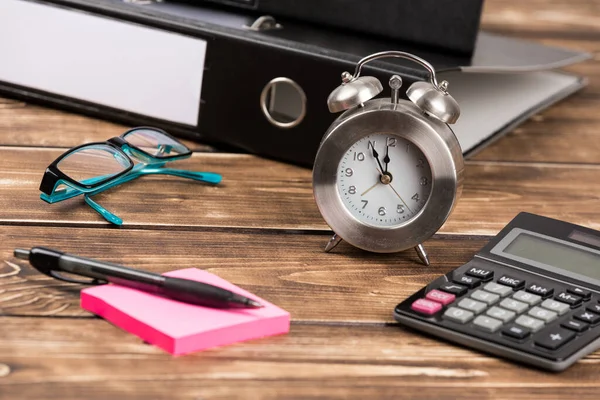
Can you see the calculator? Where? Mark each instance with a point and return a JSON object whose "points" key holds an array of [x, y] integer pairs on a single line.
{"points": [[532, 295]]}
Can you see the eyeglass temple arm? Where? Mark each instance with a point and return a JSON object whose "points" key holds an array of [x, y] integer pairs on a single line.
{"points": [[209, 177], [107, 215], [69, 192]]}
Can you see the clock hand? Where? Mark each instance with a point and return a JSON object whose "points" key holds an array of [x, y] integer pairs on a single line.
{"points": [[376, 155], [386, 159], [369, 189], [390, 185]]}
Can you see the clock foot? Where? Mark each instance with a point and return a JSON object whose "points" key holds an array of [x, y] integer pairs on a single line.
{"points": [[334, 241], [422, 254]]}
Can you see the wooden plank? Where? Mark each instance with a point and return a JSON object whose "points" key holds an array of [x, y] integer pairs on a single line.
{"points": [[258, 193], [542, 138], [94, 360], [24, 124], [577, 18], [289, 270], [571, 125]]}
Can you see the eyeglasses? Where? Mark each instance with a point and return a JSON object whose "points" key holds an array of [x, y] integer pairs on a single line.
{"points": [[92, 168]]}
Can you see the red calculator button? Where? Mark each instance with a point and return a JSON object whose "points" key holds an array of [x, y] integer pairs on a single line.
{"points": [[426, 307], [440, 297]]}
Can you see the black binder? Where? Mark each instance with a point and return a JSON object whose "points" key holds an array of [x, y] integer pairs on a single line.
{"points": [[239, 62], [445, 24]]}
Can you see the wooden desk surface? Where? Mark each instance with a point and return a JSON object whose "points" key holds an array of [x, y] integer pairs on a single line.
{"points": [[261, 230]]}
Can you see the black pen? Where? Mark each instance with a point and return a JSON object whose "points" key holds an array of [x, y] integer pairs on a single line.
{"points": [[53, 262]]}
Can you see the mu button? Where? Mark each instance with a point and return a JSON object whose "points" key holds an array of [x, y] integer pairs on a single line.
{"points": [[483, 274]]}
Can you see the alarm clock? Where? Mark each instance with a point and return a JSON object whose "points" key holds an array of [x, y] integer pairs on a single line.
{"points": [[388, 171]]}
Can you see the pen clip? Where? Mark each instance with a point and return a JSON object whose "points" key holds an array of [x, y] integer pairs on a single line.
{"points": [[93, 281]]}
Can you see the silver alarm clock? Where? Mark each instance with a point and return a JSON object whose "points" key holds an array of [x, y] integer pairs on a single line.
{"points": [[388, 172]]}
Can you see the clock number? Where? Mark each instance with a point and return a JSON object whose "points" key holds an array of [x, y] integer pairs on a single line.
{"points": [[382, 211], [371, 145], [415, 197], [407, 147], [366, 202], [352, 190], [420, 163], [391, 142], [359, 156], [423, 181], [349, 172], [400, 209]]}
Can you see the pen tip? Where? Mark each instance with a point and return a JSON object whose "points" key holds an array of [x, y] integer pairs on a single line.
{"points": [[254, 304], [22, 254]]}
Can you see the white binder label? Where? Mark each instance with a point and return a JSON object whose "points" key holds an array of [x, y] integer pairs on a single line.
{"points": [[101, 60]]}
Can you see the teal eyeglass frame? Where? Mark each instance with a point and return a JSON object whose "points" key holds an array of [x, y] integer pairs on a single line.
{"points": [[148, 165]]}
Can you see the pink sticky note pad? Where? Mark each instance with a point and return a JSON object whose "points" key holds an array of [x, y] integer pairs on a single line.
{"points": [[181, 328]]}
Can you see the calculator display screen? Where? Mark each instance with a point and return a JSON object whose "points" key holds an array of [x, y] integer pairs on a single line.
{"points": [[550, 253]]}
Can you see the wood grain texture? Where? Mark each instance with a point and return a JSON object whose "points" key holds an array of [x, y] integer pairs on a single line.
{"points": [[92, 359], [261, 230], [289, 270], [576, 19], [259, 193]]}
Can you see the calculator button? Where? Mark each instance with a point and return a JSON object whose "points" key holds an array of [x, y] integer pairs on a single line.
{"points": [[502, 290], [556, 306], [457, 290], [458, 315], [554, 338], [486, 297], [586, 294], [468, 281], [529, 298], [540, 290], [512, 282], [487, 324], [587, 316], [516, 331], [472, 305], [528, 322], [440, 297], [545, 315], [576, 326], [594, 308], [426, 307], [501, 314], [514, 305], [570, 299], [483, 274]]}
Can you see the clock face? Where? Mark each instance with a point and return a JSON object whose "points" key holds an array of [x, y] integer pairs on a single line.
{"points": [[384, 180]]}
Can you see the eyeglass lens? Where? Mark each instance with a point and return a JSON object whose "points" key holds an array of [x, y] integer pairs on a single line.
{"points": [[155, 143], [93, 163]]}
